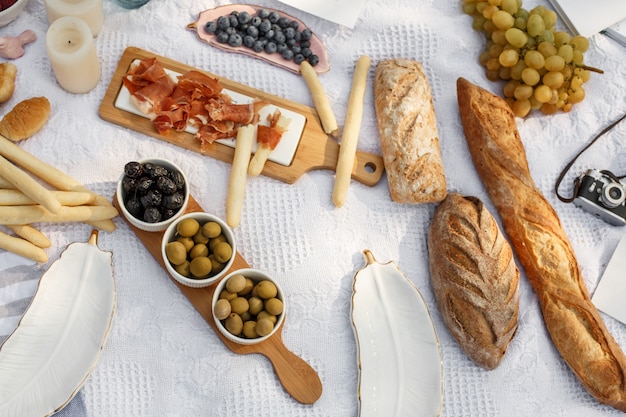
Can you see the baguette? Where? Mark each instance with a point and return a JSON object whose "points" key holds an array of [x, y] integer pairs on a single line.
{"points": [[474, 278], [409, 136], [541, 245]]}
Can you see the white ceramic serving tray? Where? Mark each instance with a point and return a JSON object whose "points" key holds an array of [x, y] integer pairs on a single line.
{"points": [[58, 341], [398, 350], [283, 153]]}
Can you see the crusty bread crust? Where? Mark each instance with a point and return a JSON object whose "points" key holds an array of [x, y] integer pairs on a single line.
{"points": [[541, 245], [408, 130], [474, 278]]}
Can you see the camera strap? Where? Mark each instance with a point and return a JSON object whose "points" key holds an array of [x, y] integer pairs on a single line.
{"points": [[571, 162]]}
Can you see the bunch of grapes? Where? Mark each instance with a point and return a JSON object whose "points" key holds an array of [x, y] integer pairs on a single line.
{"points": [[543, 68]]}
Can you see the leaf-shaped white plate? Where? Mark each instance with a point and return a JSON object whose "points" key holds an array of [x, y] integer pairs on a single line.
{"points": [[398, 350], [58, 341]]}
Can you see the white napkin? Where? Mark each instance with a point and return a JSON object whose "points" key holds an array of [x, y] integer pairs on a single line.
{"points": [[609, 295]]}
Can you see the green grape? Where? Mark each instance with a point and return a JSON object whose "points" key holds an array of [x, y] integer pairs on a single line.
{"points": [[534, 59], [509, 57], [522, 13], [543, 93], [493, 64], [553, 79], [521, 108], [516, 37], [530, 76], [549, 18], [503, 20], [523, 92], [479, 22], [489, 11], [495, 50], [509, 88], [566, 52], [554, 63], [535, 25], [510, 6], [579, 43], [547, 36], [561, 38], [576, 95], [517, 69], [547, 49], [577, 58], [498, 37], [520, 23]]}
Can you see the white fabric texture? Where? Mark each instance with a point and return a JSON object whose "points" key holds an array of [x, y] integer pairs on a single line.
{"points": [[162, 359]]}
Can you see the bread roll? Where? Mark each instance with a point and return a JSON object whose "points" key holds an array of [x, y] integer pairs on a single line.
{"points": [[541, 245], [8, 73], [25, 119], [474, 278], [409, 136]]}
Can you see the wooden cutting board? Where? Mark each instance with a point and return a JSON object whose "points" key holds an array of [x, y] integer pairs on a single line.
{"points": [[297, 377], [315, 150]]}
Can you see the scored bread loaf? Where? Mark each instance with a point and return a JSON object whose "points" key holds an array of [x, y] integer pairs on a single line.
{"points": [[474, 278], [541, 245], [25, 119], [409, 136]]}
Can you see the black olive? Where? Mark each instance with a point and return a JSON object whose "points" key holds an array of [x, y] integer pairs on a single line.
{"points": [[133, 169], [178, 179], [159, 171], [152, 215], [165, 185], [134, 207], [153, 198], [173, 201], [128, 185], [144, 185]]}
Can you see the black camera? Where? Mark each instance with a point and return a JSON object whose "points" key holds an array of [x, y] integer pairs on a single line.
{"points": [[603, 195]]}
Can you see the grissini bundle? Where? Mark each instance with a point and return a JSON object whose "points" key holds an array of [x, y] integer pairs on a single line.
{"points": [[541, 245]]}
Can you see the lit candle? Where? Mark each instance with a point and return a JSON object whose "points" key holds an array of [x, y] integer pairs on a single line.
{"points": [[88, 10], [72, 54]]}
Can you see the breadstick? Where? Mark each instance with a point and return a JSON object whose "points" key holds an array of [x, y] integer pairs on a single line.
{"points": [[35, 214], [25, 183], [6, 185], [52, 176], [351, 128], [238, 174], [320, 100], [31, 234], [66, 198], [22, 247]]}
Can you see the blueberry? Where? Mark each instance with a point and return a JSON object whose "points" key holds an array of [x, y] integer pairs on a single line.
{"points": [[258, 46], [306, 52], [234, 22], [279, 37], [222, 37], [296, 49], [305, 44], [210, 27], [152, 215], [306, 34], [265, 25], [293, 25], [248, 41], [290, 33], [283, 22], [263, 13], [280, 47], [235, 40], [291, 42], [255, 21], [270, 47], [287, 54], [313, 60], [253, 31], [273, 17], [298, 58], [269, 34], [244, 17], [223, 22]]}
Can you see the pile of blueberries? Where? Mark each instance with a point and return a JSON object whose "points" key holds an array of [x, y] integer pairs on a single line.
{"points": [[152, 193], [267, 31]]}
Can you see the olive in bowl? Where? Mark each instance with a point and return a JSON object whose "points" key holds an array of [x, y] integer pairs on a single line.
{"points": [[152, 193], [198, 248], [248, 306]]}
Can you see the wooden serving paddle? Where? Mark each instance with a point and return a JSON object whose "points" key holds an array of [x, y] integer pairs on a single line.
{"points": [[316, 150], [297, 377]]}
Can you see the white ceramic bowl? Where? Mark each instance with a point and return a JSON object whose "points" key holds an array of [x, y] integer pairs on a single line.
{"points": [[256, 276], [140, 223], [171, 234], [9, 15]]}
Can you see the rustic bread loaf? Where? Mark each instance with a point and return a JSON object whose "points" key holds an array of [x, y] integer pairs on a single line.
{"points": [[25, 119], [409, 136], [541, 245], [474, 278]]}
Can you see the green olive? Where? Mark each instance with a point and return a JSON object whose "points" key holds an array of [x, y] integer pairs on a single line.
{"points": [[256, 305], [183, 269], [217, 266], [236, 283], [175, 252], [239, 305], [223, 251], [264, 327], [222, 309], [274, 306], [200, 267], [247, 288], [199, 237], [187, 242], [187, 227], [248, 329], [211, 229], [234, 324], [214, 241], [199, 249], [265, 315], [246, 316], [228, 295], [266, 289]]}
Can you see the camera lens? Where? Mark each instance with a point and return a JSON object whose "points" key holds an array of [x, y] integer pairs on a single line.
{"points": [[612, 195]]}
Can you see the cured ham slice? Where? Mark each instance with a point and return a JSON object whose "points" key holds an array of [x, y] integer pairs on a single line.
{"points": [[268, 138], [193, 99]]}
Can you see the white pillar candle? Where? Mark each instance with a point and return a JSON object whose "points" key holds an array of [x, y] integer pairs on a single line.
{"points": [[88, 10], [72, 54]]}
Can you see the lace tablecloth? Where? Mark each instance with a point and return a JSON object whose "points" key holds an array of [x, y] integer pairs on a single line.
{"points": [[162, 359]]}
